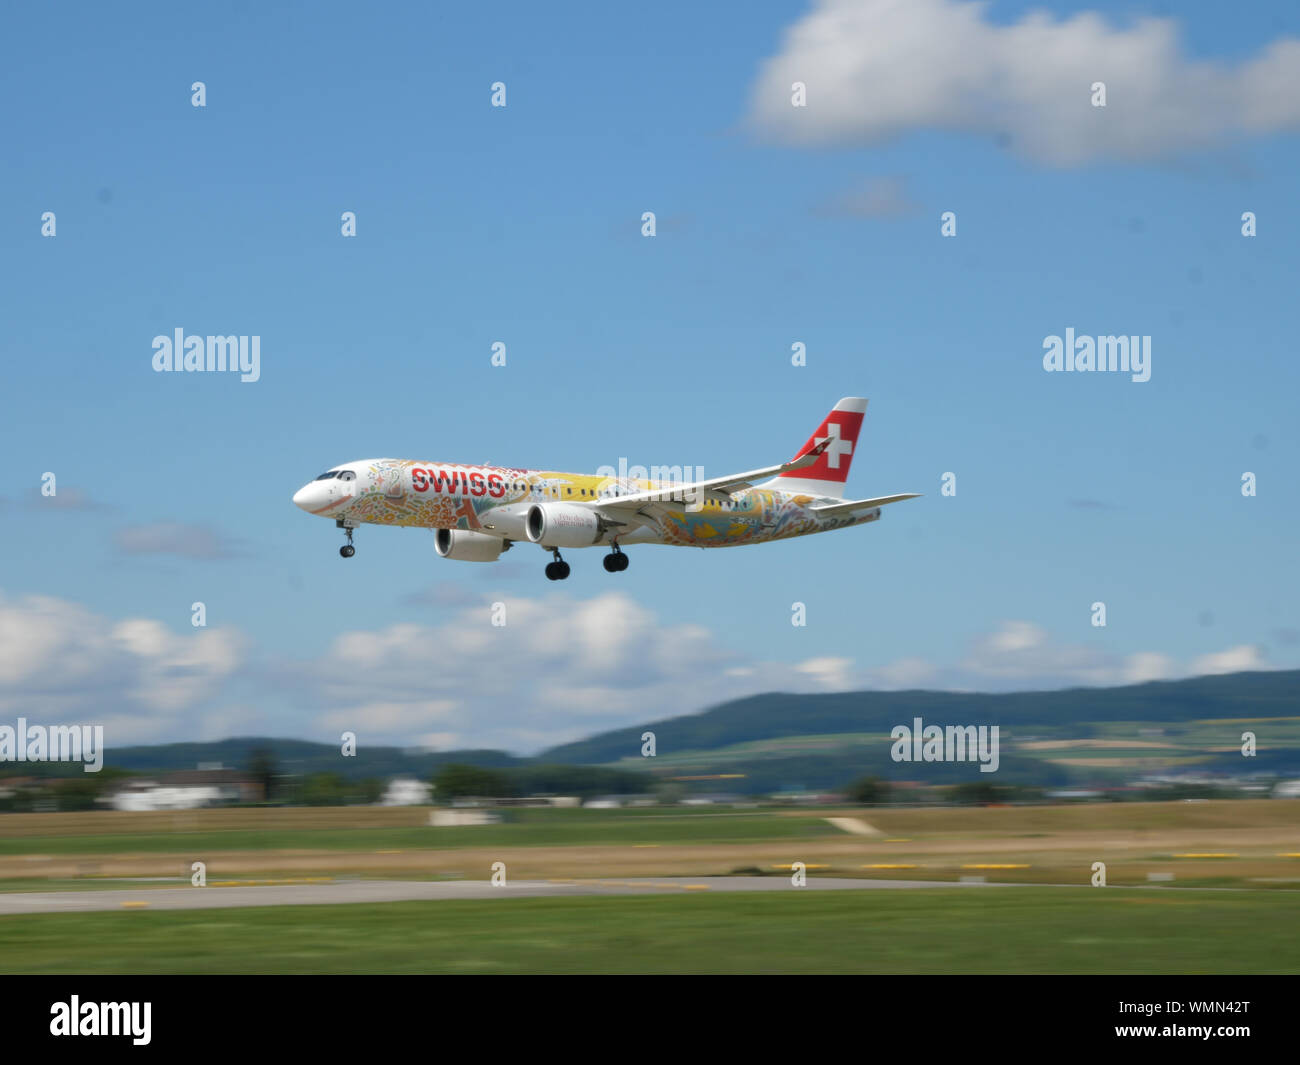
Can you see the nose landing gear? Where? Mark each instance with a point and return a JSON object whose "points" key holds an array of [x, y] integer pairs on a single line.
{"points": [[347, 550], [557, 570]]}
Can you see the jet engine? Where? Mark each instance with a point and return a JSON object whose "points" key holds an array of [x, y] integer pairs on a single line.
{"points": [[464, 545], [562, 525]]}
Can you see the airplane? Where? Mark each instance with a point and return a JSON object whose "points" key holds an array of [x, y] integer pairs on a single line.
{"points": [[479, 512]]}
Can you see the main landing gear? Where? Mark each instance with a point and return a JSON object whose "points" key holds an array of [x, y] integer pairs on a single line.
{"points": [[557, 570], [347, 550], [615, 562]]}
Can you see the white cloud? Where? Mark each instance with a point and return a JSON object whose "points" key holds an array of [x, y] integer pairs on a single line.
{"points": [[560, 669], [1233, 660], [1149, 665], [390, 718], [878, 68], [1021, 656], [903, 674], [61, 662], [1020, 653], [831, 674], [1016, 636]]}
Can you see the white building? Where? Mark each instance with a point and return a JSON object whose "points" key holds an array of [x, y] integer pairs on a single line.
{"points": [[186, 789], [405, 791]]}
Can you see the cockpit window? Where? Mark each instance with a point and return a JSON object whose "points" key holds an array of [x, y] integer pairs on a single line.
{"points": [[347, 475], [327, 476]]}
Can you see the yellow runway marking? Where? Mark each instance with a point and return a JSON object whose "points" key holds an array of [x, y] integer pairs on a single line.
{"points": [[134, 905]]}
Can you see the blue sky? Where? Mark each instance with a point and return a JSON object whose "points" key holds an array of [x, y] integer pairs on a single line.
{"points": [[522, 225]]}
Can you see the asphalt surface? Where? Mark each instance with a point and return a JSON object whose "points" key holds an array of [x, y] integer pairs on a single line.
{"points": [[372, 891]]}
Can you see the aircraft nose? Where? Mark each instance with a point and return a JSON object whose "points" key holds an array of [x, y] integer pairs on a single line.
{"points": [[305, 497]]}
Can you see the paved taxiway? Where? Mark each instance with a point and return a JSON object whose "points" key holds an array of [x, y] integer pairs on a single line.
{"points": [[371, 891]]}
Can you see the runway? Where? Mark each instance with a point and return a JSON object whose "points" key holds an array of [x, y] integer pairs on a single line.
{"points": [[375, 891]]}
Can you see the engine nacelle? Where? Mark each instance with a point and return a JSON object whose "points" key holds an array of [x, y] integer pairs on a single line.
{"points": [[465, 545], [562, 525]]}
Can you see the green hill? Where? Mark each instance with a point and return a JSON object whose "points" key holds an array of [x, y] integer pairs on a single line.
{"points": [[1075, 713]]}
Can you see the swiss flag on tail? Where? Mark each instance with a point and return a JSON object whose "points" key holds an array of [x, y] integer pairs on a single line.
{"points": [[827, 475]]}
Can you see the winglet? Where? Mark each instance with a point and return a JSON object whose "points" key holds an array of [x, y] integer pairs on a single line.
{"points": [[810, 456]]}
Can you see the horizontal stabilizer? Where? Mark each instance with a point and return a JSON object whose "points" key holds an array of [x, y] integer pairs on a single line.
{"points": [[847, 507]]}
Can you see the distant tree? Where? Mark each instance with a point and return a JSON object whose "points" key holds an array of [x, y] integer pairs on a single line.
{"points": [[583, 781], [669, 791], [77, 794], [868, 790], [974, 792], [456, 781], [262, 768], [323, 789]]}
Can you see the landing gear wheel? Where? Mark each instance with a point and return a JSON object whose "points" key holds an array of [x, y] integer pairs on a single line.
{"points": [[615, 561], [557, 570], [622, 560], [610, 563], [347, 550]]}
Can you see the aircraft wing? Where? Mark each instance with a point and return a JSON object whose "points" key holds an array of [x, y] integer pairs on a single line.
{"points": [[847, 507], [722, 485]]}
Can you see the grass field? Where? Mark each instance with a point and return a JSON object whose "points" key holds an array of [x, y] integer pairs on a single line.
{"points": [[531, 828], [1034, 844], [989, 930]]}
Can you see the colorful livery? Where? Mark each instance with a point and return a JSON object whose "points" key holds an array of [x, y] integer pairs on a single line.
{"points": [[479, 512]]}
